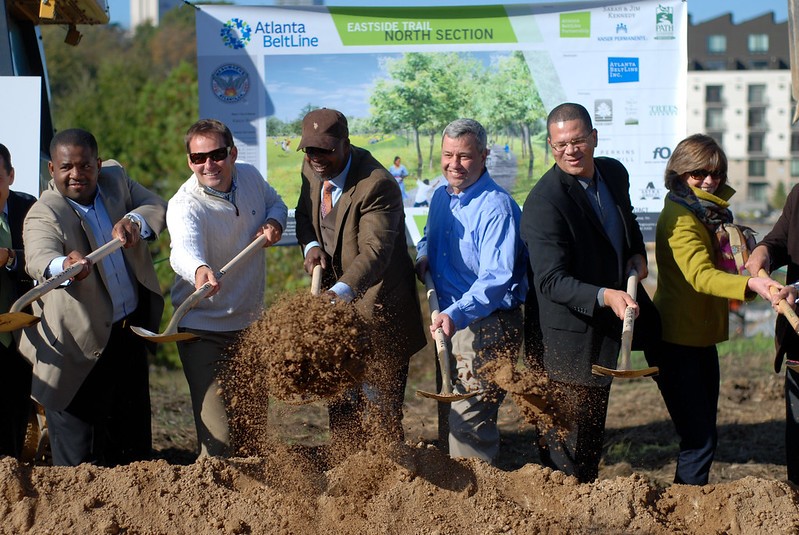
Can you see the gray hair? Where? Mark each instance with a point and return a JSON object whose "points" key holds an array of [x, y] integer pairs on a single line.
{"points": [[463, 127]]}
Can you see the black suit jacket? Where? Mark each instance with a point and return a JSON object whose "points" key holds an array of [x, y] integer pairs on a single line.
{"points": [[18, 206], [783, 246], [572, 257]]}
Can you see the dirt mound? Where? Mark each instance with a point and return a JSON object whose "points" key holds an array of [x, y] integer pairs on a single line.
{"points": [[403, 489]]}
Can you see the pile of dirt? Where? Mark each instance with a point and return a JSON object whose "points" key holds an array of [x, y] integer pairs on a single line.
{"points": [[404, 489]]}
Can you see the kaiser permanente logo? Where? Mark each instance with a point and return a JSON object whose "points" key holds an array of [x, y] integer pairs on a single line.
{"points": [[621, 70], [575, 24], [664, 22], [236, 34]]}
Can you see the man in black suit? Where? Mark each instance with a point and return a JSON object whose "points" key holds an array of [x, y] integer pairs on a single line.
{"points": [[15, 379], [583, 238]]}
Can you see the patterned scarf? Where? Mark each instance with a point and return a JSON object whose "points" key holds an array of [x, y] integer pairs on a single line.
{"points": [[730, 255]]}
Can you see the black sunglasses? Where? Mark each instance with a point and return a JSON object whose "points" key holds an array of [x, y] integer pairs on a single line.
{"points": [[313, 151], [216, 155], [700, 174]]}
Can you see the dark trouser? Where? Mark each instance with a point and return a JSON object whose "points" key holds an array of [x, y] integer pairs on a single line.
{"points": [[576, 451], [108, 420], [15, 401], [792, 424], [689, 383], [372, 410]]}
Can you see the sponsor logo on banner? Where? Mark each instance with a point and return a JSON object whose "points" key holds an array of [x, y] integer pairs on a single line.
{"points": [[651, 192], [623, 155], [661, 153], [235, 34], [575, 24], [662, 110], [631, 112], [603, 111], [621, 35], [622, 70], [664, 22], [621, 12], [285, 35], [230, 83]]}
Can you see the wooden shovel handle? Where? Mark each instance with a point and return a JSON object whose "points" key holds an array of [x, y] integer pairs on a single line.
{"points": [[785, 308], [53, 282], [441, 340], [316, 280], [629, 322]]}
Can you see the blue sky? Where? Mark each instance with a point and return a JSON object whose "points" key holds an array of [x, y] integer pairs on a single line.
{"points": [[700, 10]]}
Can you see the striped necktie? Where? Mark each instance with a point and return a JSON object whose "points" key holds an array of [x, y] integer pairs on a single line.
{"points": [[327, 198]]}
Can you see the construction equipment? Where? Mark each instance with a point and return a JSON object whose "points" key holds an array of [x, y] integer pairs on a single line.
{"points": [[625, 369]]}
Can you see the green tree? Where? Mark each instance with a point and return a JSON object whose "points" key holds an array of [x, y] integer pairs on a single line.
{"points": [[780, 196]]}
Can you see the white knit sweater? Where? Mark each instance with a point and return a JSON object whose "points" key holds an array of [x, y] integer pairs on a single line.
{"points": [[205, 230]]}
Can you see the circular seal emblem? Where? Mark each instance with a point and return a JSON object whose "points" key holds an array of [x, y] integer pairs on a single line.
{"points": [[230, 83], [236, 34]]}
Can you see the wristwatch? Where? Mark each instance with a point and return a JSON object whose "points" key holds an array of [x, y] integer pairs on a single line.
{"points": [[134, 219], [11, 258]]}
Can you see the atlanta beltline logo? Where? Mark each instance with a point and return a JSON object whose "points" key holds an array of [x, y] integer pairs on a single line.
{"points": [[237, 34], [664, 22]]}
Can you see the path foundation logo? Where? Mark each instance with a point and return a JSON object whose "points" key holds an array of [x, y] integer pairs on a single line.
{"points": [[664, 22], [230, 83], [236, 34], [622, 70]]}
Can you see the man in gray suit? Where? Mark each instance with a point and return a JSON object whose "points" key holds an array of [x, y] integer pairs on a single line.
{"points": [[89, 369]]}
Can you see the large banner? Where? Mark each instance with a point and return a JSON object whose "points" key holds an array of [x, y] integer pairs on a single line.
{"points": [[401, 74]]}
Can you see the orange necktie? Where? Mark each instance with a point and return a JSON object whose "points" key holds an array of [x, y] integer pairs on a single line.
{"points": [[327, 198]]}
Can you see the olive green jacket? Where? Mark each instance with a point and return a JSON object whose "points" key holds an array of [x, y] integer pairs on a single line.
{"points": [[692, 294]]}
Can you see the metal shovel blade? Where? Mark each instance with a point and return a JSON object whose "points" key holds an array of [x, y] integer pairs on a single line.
{"points": [[596, 369], [164, 337], [11, 321], [445, 398]]}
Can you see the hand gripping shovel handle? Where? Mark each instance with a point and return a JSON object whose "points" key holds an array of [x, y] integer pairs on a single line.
{"points": [[71, 271], [441, 340], [785, 308]]}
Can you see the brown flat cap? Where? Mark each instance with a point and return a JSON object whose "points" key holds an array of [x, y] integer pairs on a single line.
{"points": [[323, 129]]}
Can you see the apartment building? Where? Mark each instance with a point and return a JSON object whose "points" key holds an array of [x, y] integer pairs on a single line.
{"points": [[739, 92]]}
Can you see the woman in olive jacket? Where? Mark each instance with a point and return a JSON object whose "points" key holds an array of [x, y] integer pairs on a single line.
{"points": [[692, 297]]}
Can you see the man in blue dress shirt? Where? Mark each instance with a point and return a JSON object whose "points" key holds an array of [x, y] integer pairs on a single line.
{"points": [[478, 261]]}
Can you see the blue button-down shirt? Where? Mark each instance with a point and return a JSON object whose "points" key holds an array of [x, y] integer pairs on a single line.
{"points": [[475, 253]]}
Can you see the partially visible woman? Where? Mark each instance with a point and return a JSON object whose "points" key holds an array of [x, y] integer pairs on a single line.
{"points": [[692, 297], [399, 173]]}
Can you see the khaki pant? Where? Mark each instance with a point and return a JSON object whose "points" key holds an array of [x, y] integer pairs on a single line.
{"points": [[202, 360], [473, 430]]}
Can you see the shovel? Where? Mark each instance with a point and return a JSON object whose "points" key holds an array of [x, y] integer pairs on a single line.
{"points": [[446, 395], [16, 319], [171, 333], [625, 369], [790, 315]]}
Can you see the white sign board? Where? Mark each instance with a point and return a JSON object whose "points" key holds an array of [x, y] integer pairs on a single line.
{"points": [[20, 128]]}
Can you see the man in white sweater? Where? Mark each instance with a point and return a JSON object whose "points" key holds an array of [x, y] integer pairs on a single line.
{"points": [[214, 215]]}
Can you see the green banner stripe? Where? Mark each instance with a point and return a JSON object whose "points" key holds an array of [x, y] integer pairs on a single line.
{"points": [[422, 25]]}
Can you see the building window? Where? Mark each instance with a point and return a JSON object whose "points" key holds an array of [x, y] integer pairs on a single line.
{"points": [[795, 167], [757, 167], [757, 191], [757, 94], [714, 119], [718, 138], [794, 141], [716, 44], [713, 93], [756, 142], [757, 118], [757, 43]]}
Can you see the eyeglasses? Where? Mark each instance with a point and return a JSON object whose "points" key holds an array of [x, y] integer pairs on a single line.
{"points": [[313, 151], [578, 143], [700, 174], [216, 155]]}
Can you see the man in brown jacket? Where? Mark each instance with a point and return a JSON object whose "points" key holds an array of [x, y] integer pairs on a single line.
{"points": [[350, 220]]}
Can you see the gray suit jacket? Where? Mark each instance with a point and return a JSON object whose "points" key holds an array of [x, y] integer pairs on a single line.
{"points": [[77, 319]]}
